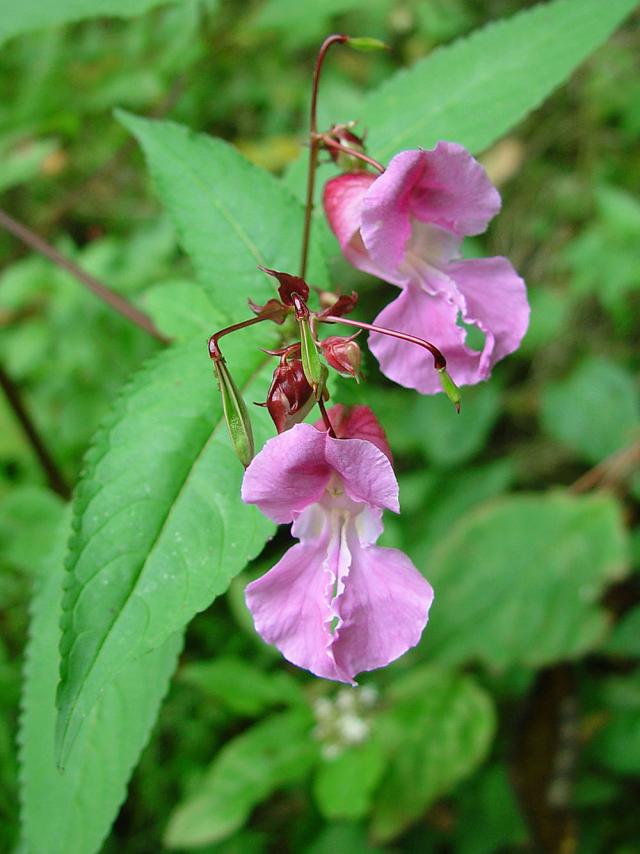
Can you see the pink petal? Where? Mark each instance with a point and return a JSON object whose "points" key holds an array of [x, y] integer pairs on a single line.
{"points": [[496, 301], [444, 186], [365, 470], [455, 191], [291, 608], [289, 473], [383, 609], [386, 214], [342, 199], [433, 318]]}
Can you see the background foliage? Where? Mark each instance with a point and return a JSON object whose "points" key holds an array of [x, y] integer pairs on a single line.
{"points": [[515, 722]]}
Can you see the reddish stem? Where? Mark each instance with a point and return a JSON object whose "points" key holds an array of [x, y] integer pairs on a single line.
{"points": [[439, 361], [336, 38], [55, 477], [112, 298], [214, 349], [352, 152], [326, 419]]}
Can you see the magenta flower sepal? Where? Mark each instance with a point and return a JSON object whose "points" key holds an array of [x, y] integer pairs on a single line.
{"points": [[335, 604], [405, 226]]}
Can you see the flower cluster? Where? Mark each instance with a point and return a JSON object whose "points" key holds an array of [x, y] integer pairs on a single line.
{"points": [[337, 603]]}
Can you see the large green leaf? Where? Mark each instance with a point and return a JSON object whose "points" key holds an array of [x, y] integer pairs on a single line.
{"points": [[277, 751], [160, 527], [439, 727], [518, 581], [73, 811], [595, 411], [230, 215], [241, 687], [479, 87], [16, 18], [343, 785]]}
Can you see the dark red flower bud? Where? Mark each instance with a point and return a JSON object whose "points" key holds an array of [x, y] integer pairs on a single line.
{"points": [[289, 285], [343, 135], [290, 396], [357, 422], [343, 354], [271, 310], [337, 304]]}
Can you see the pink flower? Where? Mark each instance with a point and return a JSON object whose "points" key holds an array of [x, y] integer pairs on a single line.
{"points": [[335, 604], [405, 226]]}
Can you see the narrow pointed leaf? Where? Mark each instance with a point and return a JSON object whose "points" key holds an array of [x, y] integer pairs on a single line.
{"points": [[73, 811], [16, 18], [160, 529], [230, 215], [475, 90]]}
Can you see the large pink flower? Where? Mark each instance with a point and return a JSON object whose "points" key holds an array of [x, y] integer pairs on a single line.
{"points": [[405, 226], [335, 604]]}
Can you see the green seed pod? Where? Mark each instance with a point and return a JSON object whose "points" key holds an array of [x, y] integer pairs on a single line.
{"points": [[366, 44], [311, 364], [235, 414], [450, 388]]}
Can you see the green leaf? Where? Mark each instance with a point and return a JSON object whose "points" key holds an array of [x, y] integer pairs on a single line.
{"points": [[448, 437], [625, 638], [478, 88], [29, 519], [271, 754], [595, 411], [230, 215], [299, 24], [519, 580], [447, 497], [439, 727], [344, 785], [182, 310], [488, 816], [73, 811], [345, 837], [35, 14], [241, 687], [617, 745], [159, 527]]}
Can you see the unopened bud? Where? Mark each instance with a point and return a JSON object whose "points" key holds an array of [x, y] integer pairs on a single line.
{"points": [[343, 354], [344, 136], [366, 44], [235, 413], [337, 304], [450, 388], [290, 396]]}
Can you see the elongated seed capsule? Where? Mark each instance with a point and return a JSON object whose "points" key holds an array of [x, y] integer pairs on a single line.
{"points": [[235, 414]]}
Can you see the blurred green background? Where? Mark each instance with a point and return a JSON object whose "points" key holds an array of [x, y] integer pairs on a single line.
{"points": [[503, 736]]}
